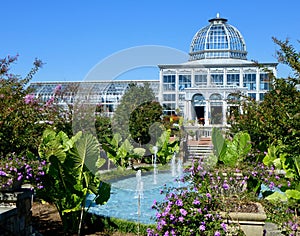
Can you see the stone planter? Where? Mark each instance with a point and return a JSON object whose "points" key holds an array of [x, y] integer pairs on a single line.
{"points": [[15, 212], [251, 223]]}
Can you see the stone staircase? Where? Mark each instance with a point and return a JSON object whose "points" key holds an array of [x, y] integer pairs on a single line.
{"points": [[199, 148]]}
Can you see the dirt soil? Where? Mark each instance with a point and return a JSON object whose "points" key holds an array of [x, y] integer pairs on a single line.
{"points": [[46, 221]]}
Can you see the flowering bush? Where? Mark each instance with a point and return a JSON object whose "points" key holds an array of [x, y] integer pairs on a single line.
{"points": [[15, 171], [187, 212], [23, 117], [194, 209]]}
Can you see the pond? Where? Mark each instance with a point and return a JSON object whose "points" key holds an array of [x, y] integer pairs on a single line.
{"points": [[123, 202]]}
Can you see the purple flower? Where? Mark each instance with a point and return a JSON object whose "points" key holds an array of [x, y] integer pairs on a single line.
{"points": [[225, 186], [224, 226], [196, 202], [217, 233], [271, 185], [180, 218], [183, 212], [179, 202], [202, 227], [208, 195]]}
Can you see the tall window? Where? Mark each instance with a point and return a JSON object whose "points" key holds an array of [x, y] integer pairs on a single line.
{"points": [[264, 81], [169, 97], [169, 82], [201, 80], [217, 79], [261, 96], [233, 79], [250, 81], [252, 95], [184, 82], [169, 108]]}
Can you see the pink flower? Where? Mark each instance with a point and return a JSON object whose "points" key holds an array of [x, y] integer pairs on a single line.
{"points": [[57, 88], [29, 99]]}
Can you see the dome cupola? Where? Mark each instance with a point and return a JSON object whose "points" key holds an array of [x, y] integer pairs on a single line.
{"points": [[218, 40]]}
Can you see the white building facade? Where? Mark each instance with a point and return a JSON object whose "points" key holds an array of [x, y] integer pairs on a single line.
{"points": [[205, 87]]}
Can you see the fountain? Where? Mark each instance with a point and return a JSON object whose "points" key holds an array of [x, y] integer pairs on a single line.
{"points": [[155, 171], [139, 185], [139, 195], [124, 196], [173, 165], [179, 168]]}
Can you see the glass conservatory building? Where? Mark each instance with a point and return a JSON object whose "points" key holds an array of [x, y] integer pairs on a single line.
{"points": [[203, 88]]}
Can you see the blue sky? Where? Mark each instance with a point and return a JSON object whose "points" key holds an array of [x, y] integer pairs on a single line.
{"points": [[71, 37]]}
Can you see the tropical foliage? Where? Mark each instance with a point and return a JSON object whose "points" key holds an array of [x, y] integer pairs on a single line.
{"points": [[71, 174], [122, 153]]}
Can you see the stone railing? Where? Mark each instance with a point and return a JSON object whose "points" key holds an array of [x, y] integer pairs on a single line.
{"points": [[15, 213]]}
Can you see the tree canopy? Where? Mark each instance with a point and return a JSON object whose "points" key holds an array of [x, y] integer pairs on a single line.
{"points": [[276, 119], [136, 113]]}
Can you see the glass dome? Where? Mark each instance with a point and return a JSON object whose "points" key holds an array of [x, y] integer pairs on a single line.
{"points": [[218, 40]]}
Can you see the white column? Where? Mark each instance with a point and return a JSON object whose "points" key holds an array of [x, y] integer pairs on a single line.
{"points": [[257, 84], [161, 87], [208, 77], [193, 78], [224, 110], [176, 88], [225, 77], [206, 110]]}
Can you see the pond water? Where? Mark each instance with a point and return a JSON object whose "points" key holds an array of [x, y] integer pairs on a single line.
{"points": [[123, 202]]}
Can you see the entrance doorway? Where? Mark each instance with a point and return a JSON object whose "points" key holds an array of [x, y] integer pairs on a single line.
{"points": [[199, 107], [200, 111]]}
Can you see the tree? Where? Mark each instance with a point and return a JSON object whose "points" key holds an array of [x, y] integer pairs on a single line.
{"points": [[141, 119], [136, 113], [275, 120], [103, 128]]}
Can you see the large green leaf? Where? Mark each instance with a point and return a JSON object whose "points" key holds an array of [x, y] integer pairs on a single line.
{"points": [[103, 193], [270, 156], [291, 193], [277, 197], [237, 149], [218, 143], [51, 146], [88, 153], [139, 151]]}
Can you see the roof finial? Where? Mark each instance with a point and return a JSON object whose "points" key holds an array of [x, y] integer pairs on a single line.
{"points": [[218, 15]]}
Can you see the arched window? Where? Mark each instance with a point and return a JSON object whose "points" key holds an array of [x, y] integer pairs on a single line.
{"points": [[198, 100]]}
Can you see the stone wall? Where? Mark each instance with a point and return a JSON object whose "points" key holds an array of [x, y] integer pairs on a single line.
{"points": [[15, 213]]}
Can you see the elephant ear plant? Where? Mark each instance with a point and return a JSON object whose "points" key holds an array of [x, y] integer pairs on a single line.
{"points": [[231, 153], [71, 175]]}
